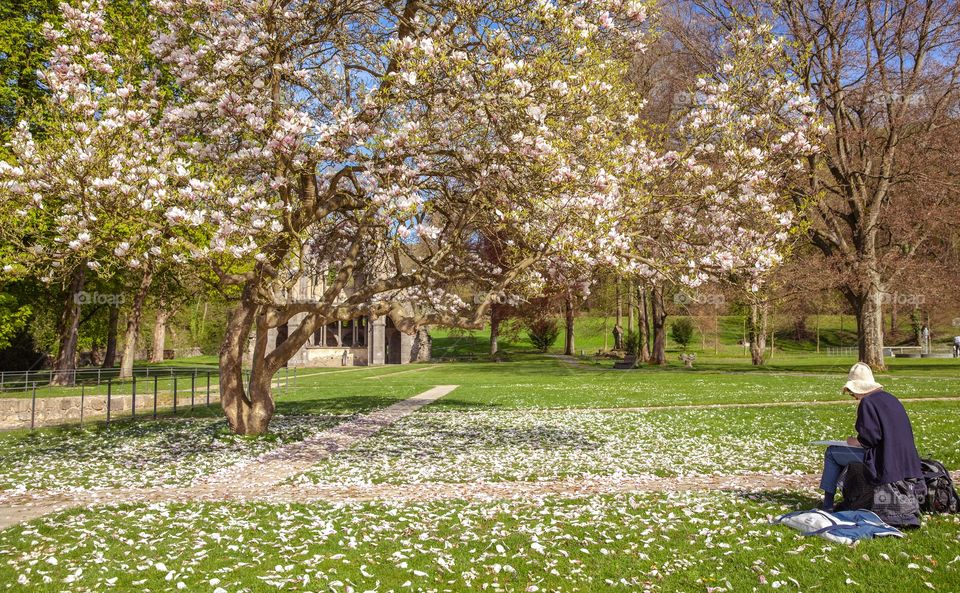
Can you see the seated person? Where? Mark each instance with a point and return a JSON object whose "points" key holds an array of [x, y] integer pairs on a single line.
{"points": [[884, 441]]}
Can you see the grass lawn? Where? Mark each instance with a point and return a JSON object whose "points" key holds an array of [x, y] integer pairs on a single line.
{"points": [[721, 335], [659, 542], [529, 419], [715, 351], [536, 382]]}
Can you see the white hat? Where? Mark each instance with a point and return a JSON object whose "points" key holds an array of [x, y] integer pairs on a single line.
{"points": [[860, 380]]}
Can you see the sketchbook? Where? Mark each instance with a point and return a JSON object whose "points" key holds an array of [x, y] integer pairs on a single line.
{"points": [[831, 443]]}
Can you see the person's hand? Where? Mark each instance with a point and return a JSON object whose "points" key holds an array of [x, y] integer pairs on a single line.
{"points": [[853, 442]]}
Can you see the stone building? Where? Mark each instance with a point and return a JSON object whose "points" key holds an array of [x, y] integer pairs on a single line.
{"points": [[358, 342]]}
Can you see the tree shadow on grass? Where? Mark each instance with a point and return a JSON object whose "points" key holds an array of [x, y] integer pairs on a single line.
{"points": [[787, 498], [359, 404], [347, 404], [529, 437], [452, 404], [434, 438]]}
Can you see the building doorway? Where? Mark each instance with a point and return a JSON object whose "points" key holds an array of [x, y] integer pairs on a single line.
{"points": [[391, 342]]}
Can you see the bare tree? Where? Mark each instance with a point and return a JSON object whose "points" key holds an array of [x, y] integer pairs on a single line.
{"points": [[885, 76]]}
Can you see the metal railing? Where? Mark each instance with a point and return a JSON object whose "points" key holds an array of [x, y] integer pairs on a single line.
{"points": [[155, 388], [25, 380], [891, 350], [844, 351]]}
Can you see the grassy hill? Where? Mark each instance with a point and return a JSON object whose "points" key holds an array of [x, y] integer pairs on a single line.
{"points": [[715, 338]]}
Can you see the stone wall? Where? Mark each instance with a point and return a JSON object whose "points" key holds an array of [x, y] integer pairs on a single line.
{"points": [[319, 356], [53, 411]]}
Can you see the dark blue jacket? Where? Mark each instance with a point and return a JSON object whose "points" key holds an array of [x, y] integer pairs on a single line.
{"points": [[887, 437]]}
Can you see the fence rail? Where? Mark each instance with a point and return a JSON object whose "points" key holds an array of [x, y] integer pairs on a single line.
{"points": [[25, 380], [144, 394], [891, 350]]}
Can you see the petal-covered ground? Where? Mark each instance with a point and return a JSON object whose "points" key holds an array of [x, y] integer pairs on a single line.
{"points": [[168, 452], [666, 542], [512, 445]]}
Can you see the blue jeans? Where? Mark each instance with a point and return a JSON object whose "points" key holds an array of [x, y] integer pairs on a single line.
{"points": [[834, 461]]}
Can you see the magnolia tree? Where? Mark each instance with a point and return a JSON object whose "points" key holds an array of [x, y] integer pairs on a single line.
{"points": [[377, 143], [719, 208], [82, 198]]}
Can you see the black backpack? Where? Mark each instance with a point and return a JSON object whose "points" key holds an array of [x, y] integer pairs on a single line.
{"points": [[941, 495], [897, 504]]}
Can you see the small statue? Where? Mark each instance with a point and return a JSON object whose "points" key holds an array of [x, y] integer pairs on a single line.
{"points": [[617, 337]]}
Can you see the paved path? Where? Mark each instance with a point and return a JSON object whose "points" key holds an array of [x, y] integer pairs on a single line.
{"points": [[256, 479], [840, 373], [566, 488], [34, 505], [392, 375], [792, 404]]}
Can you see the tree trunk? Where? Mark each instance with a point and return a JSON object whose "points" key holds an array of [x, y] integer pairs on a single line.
{"points": [[494, 332], [247, 412], [110, 356], [569, 348], [869, 310], [894, 322], [757, 331], [133, 325], [644, 322], [630, 307], [659, 314], [159, 335], [64, 366], [800, 331], [618, 326]]}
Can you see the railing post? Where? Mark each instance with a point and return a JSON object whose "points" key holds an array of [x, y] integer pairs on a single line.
{"points": [[174, 394], [133, 397], [208, 388], [155, 378], [33, 407], [193, 385], [109, 397], [83, 393]]}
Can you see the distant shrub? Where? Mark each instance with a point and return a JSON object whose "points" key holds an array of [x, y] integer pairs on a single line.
{"points": [[543, 332], [682, 332]]}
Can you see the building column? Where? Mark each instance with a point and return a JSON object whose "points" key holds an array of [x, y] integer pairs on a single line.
{"points": [[299, 357], [406, 348], [377, 347]]}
